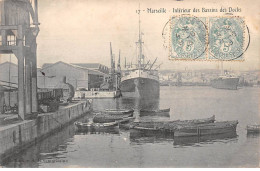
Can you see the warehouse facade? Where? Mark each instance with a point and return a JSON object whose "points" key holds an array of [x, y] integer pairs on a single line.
{"points": [[79, 77]]}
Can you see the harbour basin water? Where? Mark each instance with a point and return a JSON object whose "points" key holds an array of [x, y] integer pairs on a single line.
{"points": [[124, 148]]}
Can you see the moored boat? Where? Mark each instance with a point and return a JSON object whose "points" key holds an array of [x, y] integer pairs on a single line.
{"points": [[103, 118], [196, 121], [118, 111], [161, 112], [126, 120], [253, 129], [168, 126], [206, 129], [81, 125]]}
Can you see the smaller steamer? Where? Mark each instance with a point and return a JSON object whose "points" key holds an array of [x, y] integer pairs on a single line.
{"points": [[253, 129]]}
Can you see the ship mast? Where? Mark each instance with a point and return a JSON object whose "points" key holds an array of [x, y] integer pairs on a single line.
{"points": [[112, 72], [140, 42]]}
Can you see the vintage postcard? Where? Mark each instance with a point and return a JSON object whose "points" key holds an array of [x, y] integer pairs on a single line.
{"points": [[129, 84]]}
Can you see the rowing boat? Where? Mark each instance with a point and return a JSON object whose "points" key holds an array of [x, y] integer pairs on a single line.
{"points": [[104, 118], [206, 129], [126, 120], [118, 111], [168, 126], [87, 125]]}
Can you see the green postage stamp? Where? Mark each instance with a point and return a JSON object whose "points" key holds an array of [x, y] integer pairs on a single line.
{"points": [[188, 37], [207, 38]]}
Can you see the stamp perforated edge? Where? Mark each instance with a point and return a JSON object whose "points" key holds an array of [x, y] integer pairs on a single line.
{"points": [[170, 38], [207, 37], [243, 43]]}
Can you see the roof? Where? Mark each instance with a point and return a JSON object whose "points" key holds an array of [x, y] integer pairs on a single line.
{"points": [[88, 65], [7, 63], [85, 65], [90, 71], [46, 65]]}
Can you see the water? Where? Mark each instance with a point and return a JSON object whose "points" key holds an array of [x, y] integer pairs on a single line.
{"points": [[124, 148]]}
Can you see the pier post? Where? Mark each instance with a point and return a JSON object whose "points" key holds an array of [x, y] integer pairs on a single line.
{"points": [[28, 89], [3, 32], [34, 76], [20, 57]]}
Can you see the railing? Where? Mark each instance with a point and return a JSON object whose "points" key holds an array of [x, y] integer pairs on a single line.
{"points": [[9, 43]]}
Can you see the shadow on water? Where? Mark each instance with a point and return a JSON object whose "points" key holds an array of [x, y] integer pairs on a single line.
{"points": [[52, 146], [140, 103], [125, 103], [253, 135], [142, 137], [128, 103], [97, 131], [208, 139], [137, 148]]}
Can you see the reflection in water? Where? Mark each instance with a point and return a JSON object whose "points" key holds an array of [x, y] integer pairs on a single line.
{"points": [[125, 103], [190, 141], [253, 135], [139, 103], [47, 148], [142, 137], [131, 148], [97, 131], [128, 103], [53, 146]]}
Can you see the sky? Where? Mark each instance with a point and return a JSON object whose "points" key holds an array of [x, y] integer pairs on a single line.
{"points": [[79, 31]]}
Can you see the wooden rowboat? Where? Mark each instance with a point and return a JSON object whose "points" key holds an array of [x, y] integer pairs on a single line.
{"points": [[206, 129], [168, 126], [104, 118], [161, 112], [155, 111], [125, 120], [118, 111], [253, 129], [81, 125]]}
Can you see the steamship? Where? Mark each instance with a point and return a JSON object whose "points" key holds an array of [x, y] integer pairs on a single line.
{"points": [[140, 80], [225, 80]]}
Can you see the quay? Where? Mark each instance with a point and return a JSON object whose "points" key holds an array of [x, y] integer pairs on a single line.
{"points": [[31, 99], [18, 136]]}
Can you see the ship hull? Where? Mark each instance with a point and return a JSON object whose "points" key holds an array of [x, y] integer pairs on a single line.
{"points": [[140, 87], [225, 83]]}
